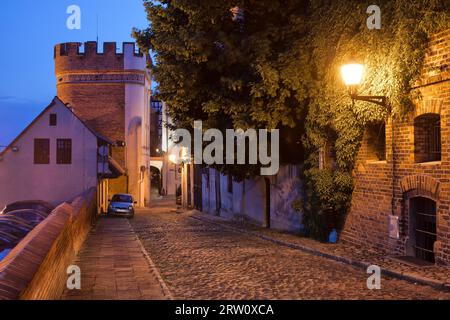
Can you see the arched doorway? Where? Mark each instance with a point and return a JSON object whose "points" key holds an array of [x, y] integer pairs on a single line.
{"points": [[423, 232], [155, 178]]}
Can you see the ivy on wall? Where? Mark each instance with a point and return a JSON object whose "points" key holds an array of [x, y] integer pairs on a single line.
{"points": [[277, 66], [393, 58]]}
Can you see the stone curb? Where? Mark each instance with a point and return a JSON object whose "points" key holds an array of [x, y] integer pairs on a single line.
{"points": [[162, 283], [413, 278]]}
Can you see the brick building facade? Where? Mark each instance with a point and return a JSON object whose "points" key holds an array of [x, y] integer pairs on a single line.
{"points": [[110, 92], [401, 201]]}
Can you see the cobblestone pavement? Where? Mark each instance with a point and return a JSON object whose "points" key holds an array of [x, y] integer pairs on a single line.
{"points": [[438, 276], [113, 266], [200, 260]]}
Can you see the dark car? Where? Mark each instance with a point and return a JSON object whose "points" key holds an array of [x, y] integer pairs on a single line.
{"points": [[15, 223], [122, 205], [11, 233], [4, 252], [9, 240], [29, 204], [31, 215]]}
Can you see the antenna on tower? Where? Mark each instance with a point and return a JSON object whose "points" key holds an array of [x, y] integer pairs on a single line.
{"points": [[97, 27]]}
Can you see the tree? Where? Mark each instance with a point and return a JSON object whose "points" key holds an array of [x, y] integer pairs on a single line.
{"points": [[275, 65], [228, 72]]}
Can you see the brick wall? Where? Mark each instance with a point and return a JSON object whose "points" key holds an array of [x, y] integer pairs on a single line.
{"points": [[36, 268], [100, 104], [386, 187], [101, 107]]}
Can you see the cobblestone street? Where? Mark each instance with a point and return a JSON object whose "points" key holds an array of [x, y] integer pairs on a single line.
{"points": [[199, 260], [113, 266]]}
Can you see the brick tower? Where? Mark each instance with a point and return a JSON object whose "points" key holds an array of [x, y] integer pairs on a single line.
{"points": [[110, 92]]}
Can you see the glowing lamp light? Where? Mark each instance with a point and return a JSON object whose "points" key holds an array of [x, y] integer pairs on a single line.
{"points": [[173, 158], [352, 74]]}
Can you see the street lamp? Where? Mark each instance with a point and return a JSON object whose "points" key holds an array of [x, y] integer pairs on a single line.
{"points": [[173, 158], [352, 74]]}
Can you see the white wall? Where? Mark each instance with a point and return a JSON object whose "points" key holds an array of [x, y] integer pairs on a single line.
{"points": [[21, 179], [137, 128], [171, 178], [248, 198]]}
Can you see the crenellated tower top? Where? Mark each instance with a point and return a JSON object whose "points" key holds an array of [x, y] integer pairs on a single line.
{"points": [[75, 56]]}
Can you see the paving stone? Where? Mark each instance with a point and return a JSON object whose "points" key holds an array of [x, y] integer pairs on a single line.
{"points": [[199, 260], [107, 261]]}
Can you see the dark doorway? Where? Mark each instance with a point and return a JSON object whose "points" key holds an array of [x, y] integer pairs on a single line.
{"points": [[188, 182], [218, 194], [198, 199], [423, 231], [156, 182], [267, 203]]}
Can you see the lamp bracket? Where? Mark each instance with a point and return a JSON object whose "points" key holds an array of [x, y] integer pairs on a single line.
{"points": [[380, 100]]}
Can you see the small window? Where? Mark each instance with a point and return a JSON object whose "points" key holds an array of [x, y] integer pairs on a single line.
{"points": [[41, 151], [64, 151], [53, 120], [230, 183], [427, 138], [375, 142]]}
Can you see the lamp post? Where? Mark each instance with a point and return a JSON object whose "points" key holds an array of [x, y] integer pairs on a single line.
{"points": [[352, 75]]}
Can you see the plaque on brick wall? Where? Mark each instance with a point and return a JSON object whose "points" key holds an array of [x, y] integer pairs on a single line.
{"points": [[394, 227]]}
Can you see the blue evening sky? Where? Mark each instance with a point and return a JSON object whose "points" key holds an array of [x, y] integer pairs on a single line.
{"points": [[30, 29]]}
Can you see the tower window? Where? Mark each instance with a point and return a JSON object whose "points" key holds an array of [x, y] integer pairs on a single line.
{"points": [[41, 151], [427, 138], [53, 120], [64, 151]]}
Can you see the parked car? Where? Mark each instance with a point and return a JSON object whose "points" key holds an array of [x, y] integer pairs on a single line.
{"points": [[4, 253], [13, 233], [29, 204], [122, 205], [8, 240], [15, 223], [31, 215]]}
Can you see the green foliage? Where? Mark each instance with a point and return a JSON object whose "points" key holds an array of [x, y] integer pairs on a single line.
{"points": [[393, 59], [279, 67]]}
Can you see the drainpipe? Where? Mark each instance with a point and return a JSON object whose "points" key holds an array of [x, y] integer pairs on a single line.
{"points": [[393, 165]]}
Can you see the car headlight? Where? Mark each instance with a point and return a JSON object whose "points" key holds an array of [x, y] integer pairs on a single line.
{"points": [[130, 208]]}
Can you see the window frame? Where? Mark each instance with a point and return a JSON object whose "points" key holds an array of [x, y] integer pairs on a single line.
{"points": [[41, 156], [63, 151], [427, 138]]}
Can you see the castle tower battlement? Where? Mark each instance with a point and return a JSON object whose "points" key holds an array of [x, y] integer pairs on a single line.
{"points": [[73, 57], [111, 91]]}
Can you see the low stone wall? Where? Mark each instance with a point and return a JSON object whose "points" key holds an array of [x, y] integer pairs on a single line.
{"points": [[36, 268]]}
